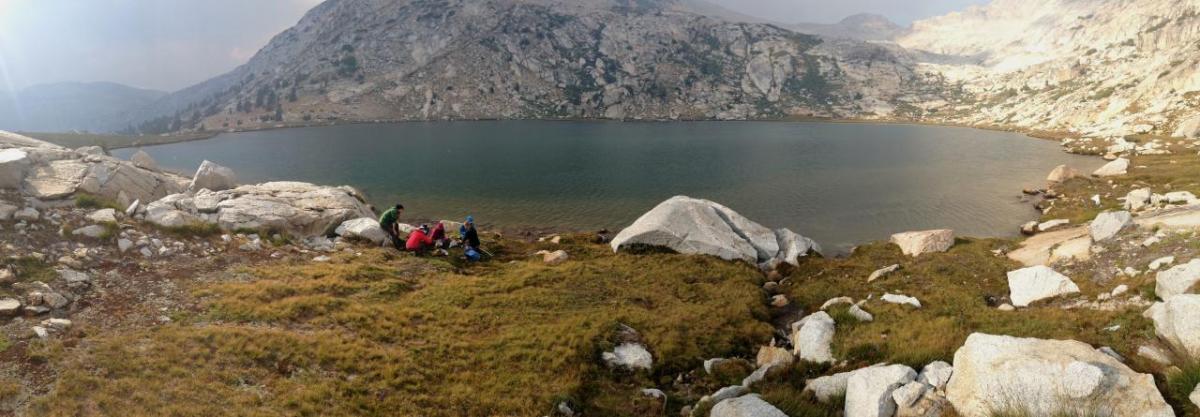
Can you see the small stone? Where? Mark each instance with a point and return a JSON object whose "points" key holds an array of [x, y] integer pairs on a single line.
{"points": [[1109, 224], [779, 301], [322, 258], [9, 306], [103, 216], [1006, 307], [1195, 396], [860, 314], [773, 355], [123, 245], [901, 299], [1121, 289], [1154, 354], [1110, 352], [27, 214], [813, 337], [555, 258], [57, 324], [630, 356], [745, 406], [835, 301], [726, 393], [936, 374], [882, 272], [1161, 262], [916, 243], [40, 332]]}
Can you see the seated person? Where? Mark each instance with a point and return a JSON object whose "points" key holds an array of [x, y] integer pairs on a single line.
{"points": [[470, 238], [419, 240]]}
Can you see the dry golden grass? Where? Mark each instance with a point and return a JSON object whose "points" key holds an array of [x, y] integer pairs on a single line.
{"points": [[397, 335]]}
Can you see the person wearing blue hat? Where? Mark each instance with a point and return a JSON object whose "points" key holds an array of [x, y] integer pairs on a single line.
{"points": [[470, 238]]}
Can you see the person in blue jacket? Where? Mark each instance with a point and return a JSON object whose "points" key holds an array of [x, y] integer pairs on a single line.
{"points": [[470, 238]]}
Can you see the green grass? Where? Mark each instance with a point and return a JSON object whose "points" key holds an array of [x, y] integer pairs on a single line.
{"points": [[88, 201], [1180, 385], [388, 334]]}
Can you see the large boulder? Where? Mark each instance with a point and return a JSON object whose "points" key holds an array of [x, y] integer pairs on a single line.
{"points": [[928, 241], [363, 228], [813, 337], [56, 179], [1037, 283], [1003, 374], [745, 406], [212, 177], [1177, 321], [869, 390], [296, 208], [695, 226], [14, 164], [1177, 280], [1048, 248], [1062, 173], [1188, 128], [1108, 224], [143, 160], [1118, 167]]}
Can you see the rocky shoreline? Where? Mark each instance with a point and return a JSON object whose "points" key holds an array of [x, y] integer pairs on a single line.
{"points": [[84, 231]]}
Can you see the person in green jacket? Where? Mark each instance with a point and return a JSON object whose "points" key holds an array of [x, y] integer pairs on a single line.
{"points": [[389, 221]]}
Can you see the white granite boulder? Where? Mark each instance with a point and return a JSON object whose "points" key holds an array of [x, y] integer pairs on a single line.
{"points": [[745, 406], [1177, 280], [1118, 167], [296, 208], [994, 374], [1036, 283], [632, 356], [1177, 321], [143, 160], [916, 243], [363, 228], [1108, 224], [1062, 173], [212, 177], [694, 226], [869, 390], [813, 336], [14, 165]]}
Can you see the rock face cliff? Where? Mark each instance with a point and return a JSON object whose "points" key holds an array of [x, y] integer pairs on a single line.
{"points": [[458, 59], [1097, 67]]}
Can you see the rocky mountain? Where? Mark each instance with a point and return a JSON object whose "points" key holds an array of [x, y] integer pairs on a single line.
{"points": [[71, 106], [615, 59], [864, 27], [1095, 67]]}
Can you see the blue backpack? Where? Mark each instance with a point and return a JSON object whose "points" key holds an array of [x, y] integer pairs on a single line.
{"points": [[473, 255]]}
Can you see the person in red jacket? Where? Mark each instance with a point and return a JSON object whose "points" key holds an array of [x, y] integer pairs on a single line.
{"points": [[419, 240]]}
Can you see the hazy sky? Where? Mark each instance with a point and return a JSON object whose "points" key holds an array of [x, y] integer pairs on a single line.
{"points": [[171, 44]]}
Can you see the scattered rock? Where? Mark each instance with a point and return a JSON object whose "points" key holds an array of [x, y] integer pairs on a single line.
{"points": [[901, 299], [1038, 283], [27, 214], [143, 160], [363, 228], [779, 301], [860, 314], [937, 374], [630, 356], [732, 391], [212, 177], [1062, 173], [745, 406], [1137, 199], [1047, 377], [835, 301], [1161, 262], [772, 355], [123, 245], [14, 165], [1111, 352], [1006, 307], [40, 332], [917, 399], [1177, 280], [1118, 167], [701, 227], [1177, 321], [1195, 396], [882, 272], [1109, 224], [555, 258], [929, 241], [1154, 354], [827, 388], [1050, 225], [93, 231], [813, 336], [869, 391], [9, 306], [103, 216]]}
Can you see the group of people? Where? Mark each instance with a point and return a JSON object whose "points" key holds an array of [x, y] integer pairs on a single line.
{"points": [[423, 240]]}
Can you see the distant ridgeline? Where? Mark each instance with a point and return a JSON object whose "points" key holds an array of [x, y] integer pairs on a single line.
{"points": [[384, 60]]}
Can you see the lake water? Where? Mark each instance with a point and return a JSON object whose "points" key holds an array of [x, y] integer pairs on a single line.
{"points": [[839, 183]]}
